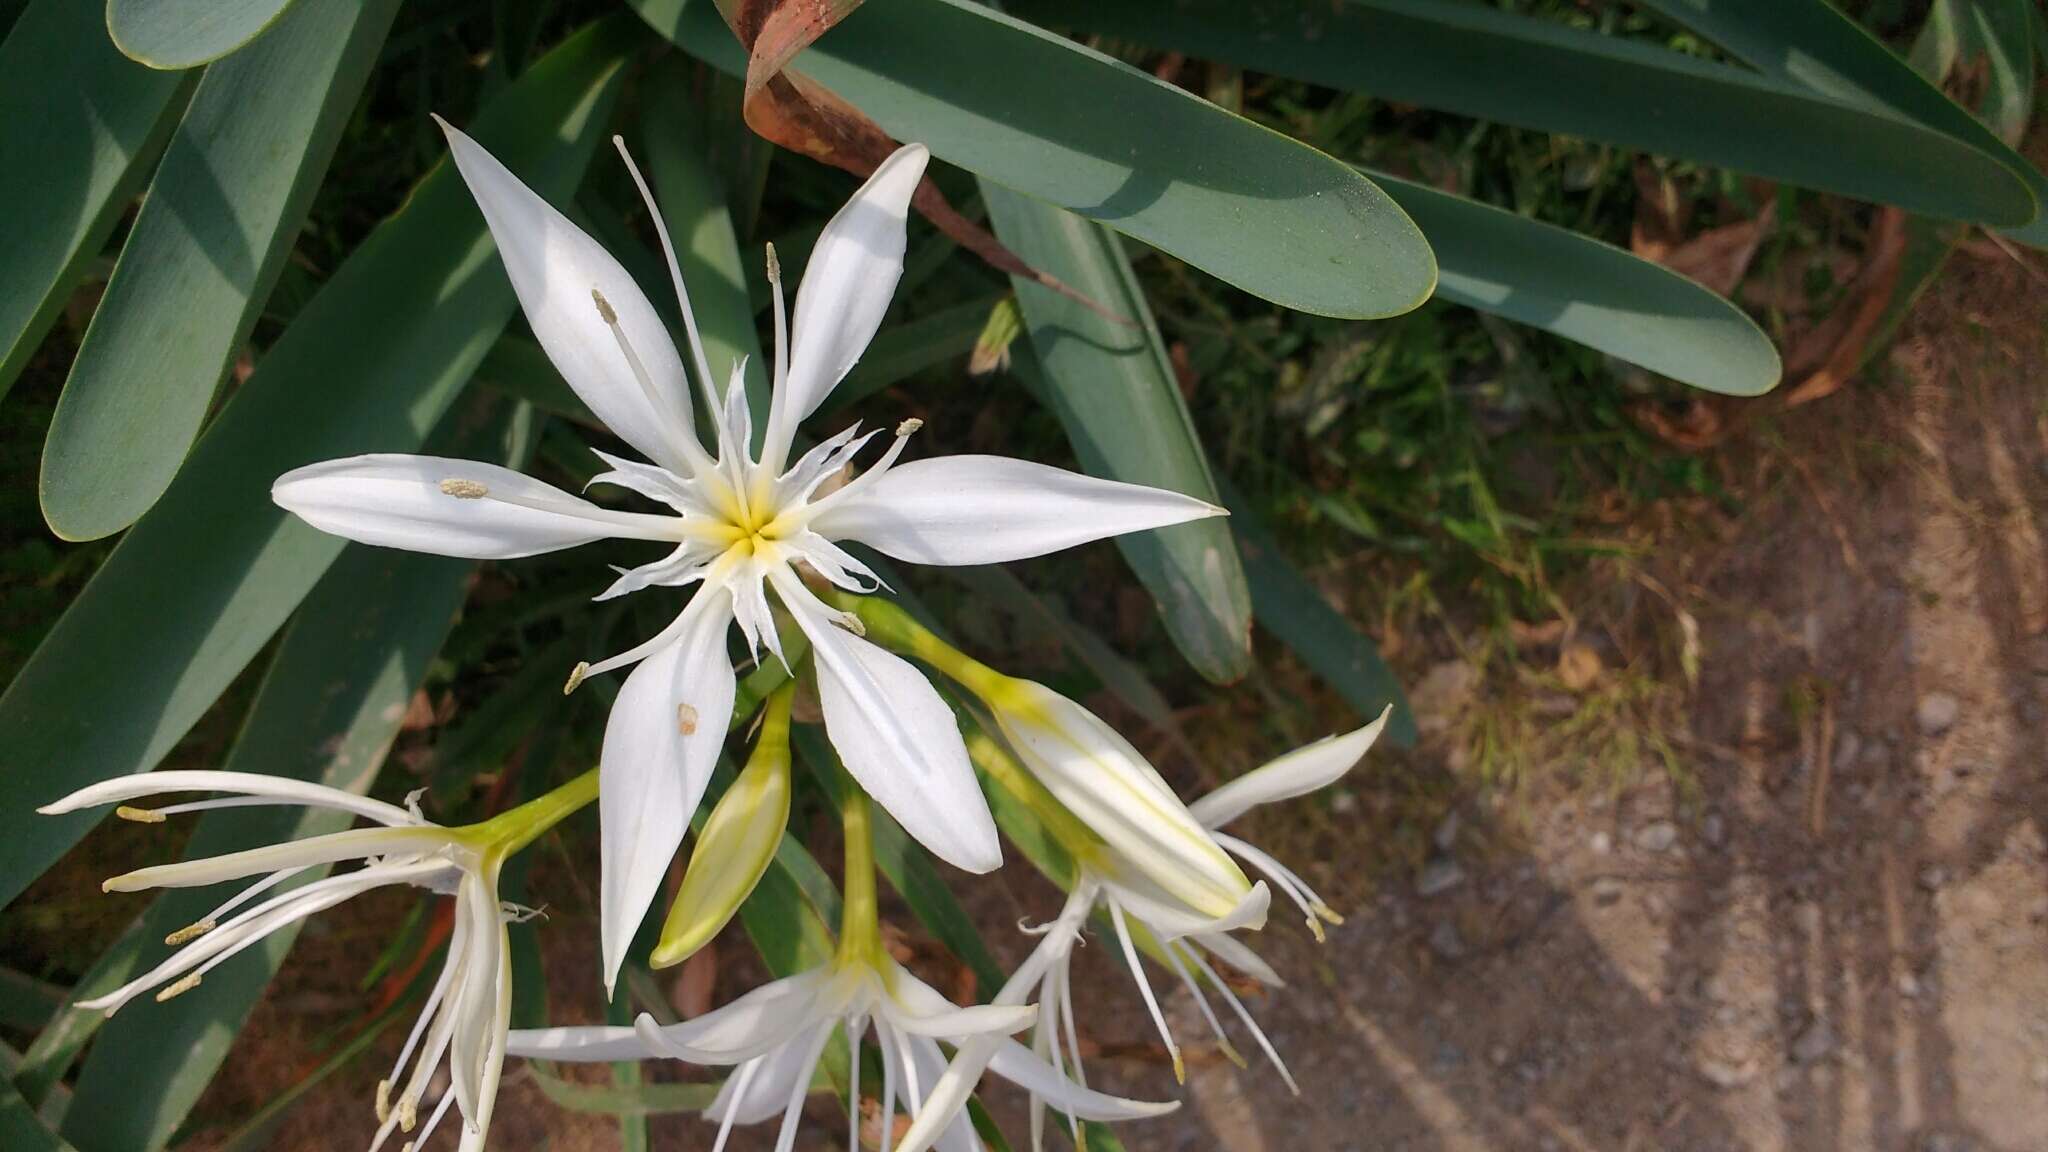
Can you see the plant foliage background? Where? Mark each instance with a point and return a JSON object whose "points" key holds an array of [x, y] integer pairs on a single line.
{"points": [[1372, 273]]}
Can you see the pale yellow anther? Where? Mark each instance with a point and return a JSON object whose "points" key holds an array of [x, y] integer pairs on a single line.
{"points": [[1180, 1068], [576, 676], [774, 266], [1327, 913], [383, 1101], [604, 307], [462, 489], [1315, 929], [139, 815], [909, 426], [177, 988], [408, 1112], [189, 933], [686, 719], [853, 624]]}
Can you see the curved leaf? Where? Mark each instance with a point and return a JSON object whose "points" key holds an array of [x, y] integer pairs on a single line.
{"points": [[1814, 45], [1557, 280], [1115, 394], [1495, 65], [82, 123], [197, 587], [223, 212], [184, 33], [1072, 127]]}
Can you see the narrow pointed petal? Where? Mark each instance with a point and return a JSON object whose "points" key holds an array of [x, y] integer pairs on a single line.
{"points": [[354, 844], [476, 997], [555, 267], [1017, 1064], [767, 1093], [898, 739], [973, 1020], [1298, 773], [660, 744], [992, 509], [1096, 773], [281, 789], [451, 508], [765, 1018], [1168, 919], [846, 290], [602, 1043]]}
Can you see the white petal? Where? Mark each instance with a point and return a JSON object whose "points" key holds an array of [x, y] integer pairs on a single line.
{"points": [[1168, 919], [958, 1135], [281, 789], [1096, 773], [476, 996], [660, 744], [601, 1043], [1017, 1064], [898, 739], [451, 508], [992, 509], [554, 268], [354, 844], [1297, 773], [921, 1010], [765, 1018], [768, 1090], [846, 290]]}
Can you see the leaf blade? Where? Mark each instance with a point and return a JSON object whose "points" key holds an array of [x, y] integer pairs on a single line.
{"points": [[222, 213], [173, 34]]}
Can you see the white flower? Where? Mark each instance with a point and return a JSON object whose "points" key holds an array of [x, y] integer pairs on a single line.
{"points": [[466, 1014], [739, 524], [775, 1035], [1144, 916]]}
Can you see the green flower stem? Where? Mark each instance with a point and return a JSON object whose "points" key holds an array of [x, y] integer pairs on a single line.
{"points": [[893, 628], [512, 830], [860, 925]]}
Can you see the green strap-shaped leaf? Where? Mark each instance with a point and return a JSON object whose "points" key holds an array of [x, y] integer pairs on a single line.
{"points": [[185, 33], [223, 212], [1479, 61], [1557, 280], [1812, 44], [1115, 394], [1072, 127], [197, 587], [1294, 611], [81, 122], [21, 1128]]}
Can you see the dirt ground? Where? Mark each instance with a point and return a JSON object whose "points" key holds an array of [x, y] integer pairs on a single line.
{"points": [[1828, 931]]}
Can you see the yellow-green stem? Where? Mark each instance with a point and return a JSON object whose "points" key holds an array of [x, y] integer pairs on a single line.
{"points": [[512, 830], [893, 628], [860, 927]]}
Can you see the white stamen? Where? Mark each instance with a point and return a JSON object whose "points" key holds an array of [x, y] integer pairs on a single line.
{"points": [[1123, 935], [675, 274], [732, 1107], [1245, 1018]]}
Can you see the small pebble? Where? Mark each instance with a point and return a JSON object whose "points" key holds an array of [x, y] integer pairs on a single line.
{"points": [[1936, 713], [1601, 843], [1658, 836], [1446, 941], [1714, 829], [1815, 1043], [1606, 891], [1438, 877]]}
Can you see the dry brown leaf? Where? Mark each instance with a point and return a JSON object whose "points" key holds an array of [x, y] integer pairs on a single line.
{"points": [[1834, 349], [1698, 426], [793, 111], [1719, 257]]}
